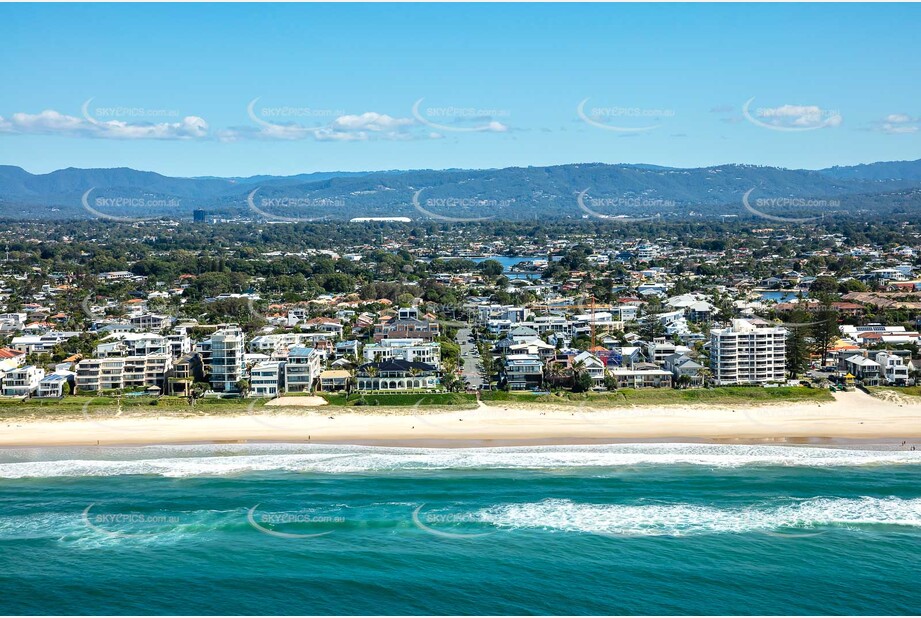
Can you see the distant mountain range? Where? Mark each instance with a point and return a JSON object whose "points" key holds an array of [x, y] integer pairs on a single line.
{"points": [[564, 191]]}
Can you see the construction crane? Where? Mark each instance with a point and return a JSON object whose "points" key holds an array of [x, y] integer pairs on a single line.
{"points": [[592, 307]]}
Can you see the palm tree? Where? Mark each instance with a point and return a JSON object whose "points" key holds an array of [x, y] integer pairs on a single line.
{"points": [[705, 375], [579, 382], [554, 373], [243, 386], [414, 372]]}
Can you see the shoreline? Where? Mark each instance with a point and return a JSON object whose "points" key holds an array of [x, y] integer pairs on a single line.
{"points": [[851, 417]]}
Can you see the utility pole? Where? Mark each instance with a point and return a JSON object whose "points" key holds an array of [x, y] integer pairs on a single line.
{"points": [[593, 322]]}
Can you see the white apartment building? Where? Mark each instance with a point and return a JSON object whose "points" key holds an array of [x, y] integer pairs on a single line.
{"points": [[658, 350], [265, 379], [112, 373], [133, 344], [556, 324], [52, 386], [509, 313], [277, 346], [12, 322], [748, 354], [180, 345], [645, 252], [893, 368], [22, 381], [412, 350], [227, 363], [40, 343], [302, 369], [150, 322]]}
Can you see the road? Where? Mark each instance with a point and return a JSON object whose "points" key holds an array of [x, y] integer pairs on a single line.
{"points": [[472, 367]]}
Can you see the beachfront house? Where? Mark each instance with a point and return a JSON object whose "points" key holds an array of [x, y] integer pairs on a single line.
{"points": [[413, 350], [266, 379], [522, 372], [864, 369], [334, 380], [895, 371], [53, 386], [643, 375], [396, 375], [186, 372], [302, 369], [22, 381], [593, 365], [684, 369]]}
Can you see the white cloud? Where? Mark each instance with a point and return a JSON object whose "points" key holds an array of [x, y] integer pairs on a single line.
{"points": [[799, 116], [51, 122], [345, 128], [899, 124], [371, 121], [888, 127]]}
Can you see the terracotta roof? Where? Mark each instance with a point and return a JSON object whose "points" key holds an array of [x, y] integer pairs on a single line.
{"points": [[9, 353]]}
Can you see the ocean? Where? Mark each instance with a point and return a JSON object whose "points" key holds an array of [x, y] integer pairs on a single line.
{"points": [[332, 529]]}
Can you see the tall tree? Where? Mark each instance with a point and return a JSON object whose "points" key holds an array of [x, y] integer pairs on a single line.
{"points": [[797, 343], [824, 328]]}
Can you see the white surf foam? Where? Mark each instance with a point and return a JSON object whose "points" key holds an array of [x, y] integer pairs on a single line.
{"points": [[213, 459], [88, 531], [687, 519]]}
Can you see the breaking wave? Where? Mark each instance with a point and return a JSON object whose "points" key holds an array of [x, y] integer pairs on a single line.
{"points": [[688, 519], [216, 460]]}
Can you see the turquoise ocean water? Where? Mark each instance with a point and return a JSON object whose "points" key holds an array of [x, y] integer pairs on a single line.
{"points": [[622, 529]]}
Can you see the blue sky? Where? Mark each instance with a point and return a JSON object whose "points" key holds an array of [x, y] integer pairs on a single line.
{"points": [[167, 87]]}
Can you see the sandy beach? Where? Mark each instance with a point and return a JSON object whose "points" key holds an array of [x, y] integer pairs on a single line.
{"points": [[853, 415]]}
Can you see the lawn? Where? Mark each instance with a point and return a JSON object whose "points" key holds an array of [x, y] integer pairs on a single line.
{"points": [[406, 400], [76, 405], [726, 395]]}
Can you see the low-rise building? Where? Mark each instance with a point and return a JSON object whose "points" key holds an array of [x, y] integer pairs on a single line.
{"points": [[868, 371], [641, 377], [56, 385], [684, 369], [187, 370], [396, 375], [413, 350], [591, 364], [266, 379], [894, 370], [150, 322], [22, 381], [522, 372], [346, 348], [116, 373], [660, 349], [407, 329], [334, 380], [302, 369], [133, 344]]}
